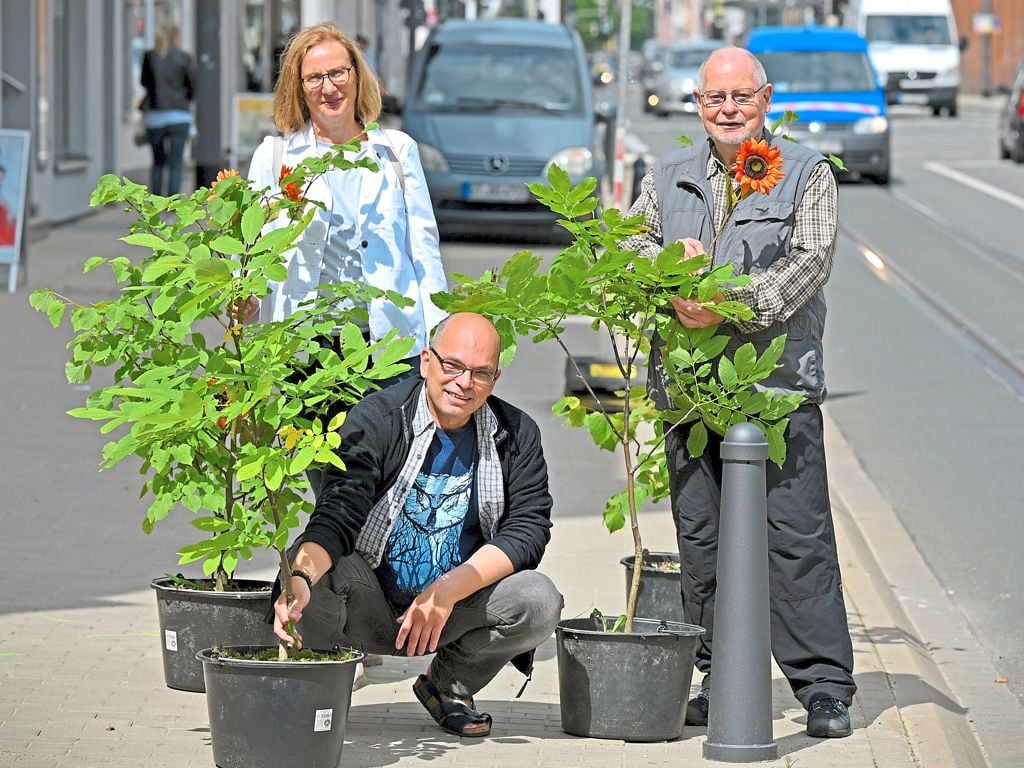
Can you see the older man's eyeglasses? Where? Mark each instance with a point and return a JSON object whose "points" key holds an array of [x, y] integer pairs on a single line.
{"points": [[742, 97], [453, 369], [338, 76]]}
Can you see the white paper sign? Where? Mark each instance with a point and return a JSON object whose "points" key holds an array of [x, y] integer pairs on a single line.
{"points": [[323, 720], [170, 640]]}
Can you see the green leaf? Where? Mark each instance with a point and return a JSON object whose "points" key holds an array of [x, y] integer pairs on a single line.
{"points": [[697, 440], [249, 466], [252, 222], [302, 459], [211, 269], [727, 373], [228, 245]]}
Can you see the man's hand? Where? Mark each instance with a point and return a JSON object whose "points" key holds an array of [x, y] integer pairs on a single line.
{"points": [[422, 622], [691, 247], [284, 613], [691, 314], [244, 310]]}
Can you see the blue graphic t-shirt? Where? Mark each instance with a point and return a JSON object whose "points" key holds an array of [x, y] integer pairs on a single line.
{"points": [[439, 528]]}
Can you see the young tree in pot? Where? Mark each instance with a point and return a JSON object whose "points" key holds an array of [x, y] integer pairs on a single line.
{"points": [[224, 425], [625, 296]]}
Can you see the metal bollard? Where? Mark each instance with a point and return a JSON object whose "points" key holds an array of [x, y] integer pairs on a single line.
{"points": [[740, 720]]}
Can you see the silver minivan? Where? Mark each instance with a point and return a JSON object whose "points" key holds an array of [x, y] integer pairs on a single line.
{"points": [[492, 105]]}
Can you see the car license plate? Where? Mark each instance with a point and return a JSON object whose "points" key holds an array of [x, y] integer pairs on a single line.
{"points": [[912, 98], [495, 193], [604, 371], [825, 146]]}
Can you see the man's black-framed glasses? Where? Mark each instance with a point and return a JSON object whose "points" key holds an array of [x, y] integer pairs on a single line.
{"points": [[743, 97], [453, 369], [338, 76]]}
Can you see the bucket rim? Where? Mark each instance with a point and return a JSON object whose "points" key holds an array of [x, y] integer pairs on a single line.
{"points": [[206, 656]]}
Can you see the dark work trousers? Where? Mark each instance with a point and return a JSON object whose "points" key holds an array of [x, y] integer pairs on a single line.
{"points": [[483, 633], [809, 632]]}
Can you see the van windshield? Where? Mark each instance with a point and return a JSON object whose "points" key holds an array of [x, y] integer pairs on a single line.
{"points": [[473, 78], [907, 30], [818, 71]]}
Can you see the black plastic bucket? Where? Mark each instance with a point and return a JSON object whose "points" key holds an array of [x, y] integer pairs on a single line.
{"points": [[633, 687], [193, 619], [274, 714], [659, 596]]}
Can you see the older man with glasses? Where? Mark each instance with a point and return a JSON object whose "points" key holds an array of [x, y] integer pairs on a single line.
{"points": [[428, 540], [786, 243]]}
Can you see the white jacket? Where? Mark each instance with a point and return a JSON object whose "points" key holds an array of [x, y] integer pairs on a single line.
{"points": [[398, 235]]}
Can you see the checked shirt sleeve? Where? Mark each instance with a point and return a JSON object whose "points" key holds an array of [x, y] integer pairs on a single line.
{"points": [[779, 291], [648, 244]]}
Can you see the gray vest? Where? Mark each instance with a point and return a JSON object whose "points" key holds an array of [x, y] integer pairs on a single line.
{"points": [[755, 235]]}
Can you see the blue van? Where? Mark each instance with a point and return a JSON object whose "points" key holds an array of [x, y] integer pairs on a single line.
{"points": [[825, 76], [492, 104]]}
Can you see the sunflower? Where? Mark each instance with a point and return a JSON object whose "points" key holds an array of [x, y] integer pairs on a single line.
{"points": [[290, 190], [758, 167]]}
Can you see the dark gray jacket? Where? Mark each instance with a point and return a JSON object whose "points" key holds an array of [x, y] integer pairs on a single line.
{"points": [[168, 80], [756, 235], [376, 437]]}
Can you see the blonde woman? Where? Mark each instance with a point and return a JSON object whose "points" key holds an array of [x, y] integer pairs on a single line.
{"points": [[375, 226]]}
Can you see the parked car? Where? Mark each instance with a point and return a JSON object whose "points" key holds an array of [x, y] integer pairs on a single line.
{"points": [[676, 79], [493, 103], [825, 76], [1011, 119], [649, 70]]}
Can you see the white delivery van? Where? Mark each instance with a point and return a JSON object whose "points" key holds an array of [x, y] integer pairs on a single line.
{"points": [[914, 47]]}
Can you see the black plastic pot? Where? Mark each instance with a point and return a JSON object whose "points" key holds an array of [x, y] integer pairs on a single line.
{"points": [[633, 687], [277, 714], [660, 596], [193, 619]]}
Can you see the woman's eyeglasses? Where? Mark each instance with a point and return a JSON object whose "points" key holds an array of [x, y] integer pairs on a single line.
{"points": [[338, 76]]}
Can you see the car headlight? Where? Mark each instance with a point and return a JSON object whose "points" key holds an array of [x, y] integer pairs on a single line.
{"points": [[951, 75], [432, 159], [576, 161], [876, 124]]}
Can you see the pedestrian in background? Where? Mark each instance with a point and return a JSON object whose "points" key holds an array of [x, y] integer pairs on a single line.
{"points": [[168, 77], [787, 249], [428, 541]]}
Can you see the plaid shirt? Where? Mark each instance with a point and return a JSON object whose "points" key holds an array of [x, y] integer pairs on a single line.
{"points": [[489, 488], [790, 281]]}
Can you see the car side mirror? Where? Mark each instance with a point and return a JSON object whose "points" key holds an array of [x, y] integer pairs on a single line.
{"points": [[963, 42]]}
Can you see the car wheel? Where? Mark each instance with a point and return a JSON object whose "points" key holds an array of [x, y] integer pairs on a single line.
{"points": [[936, 111], [1004, 153], [951, 109], [881, 179], [1017, 152]]}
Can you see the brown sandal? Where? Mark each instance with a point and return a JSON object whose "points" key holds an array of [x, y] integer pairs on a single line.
{"points": [[453, 716]]}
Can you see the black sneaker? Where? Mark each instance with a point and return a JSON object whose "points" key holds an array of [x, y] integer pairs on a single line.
{"points": [[697, 708], [828, 718]]}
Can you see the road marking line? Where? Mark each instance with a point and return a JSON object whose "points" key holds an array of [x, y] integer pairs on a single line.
{"points": [[973, 183]]}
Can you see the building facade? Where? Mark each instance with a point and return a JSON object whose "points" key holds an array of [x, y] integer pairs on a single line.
{"points": [[69, 75]]}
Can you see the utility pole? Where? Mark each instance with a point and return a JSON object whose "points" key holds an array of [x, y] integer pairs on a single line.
{"points": [[618, 167], [209, 157], [986, 54]]}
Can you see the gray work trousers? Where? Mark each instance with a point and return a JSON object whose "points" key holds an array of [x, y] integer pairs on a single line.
{"points": [[810, 636], [484, 632]]}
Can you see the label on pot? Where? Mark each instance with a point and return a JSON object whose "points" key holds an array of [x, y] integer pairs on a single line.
{"points": [[170, 640], [323, 720]]}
